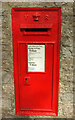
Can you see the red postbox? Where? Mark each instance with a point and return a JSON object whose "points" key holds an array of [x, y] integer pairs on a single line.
{"points": [[36, 52]]}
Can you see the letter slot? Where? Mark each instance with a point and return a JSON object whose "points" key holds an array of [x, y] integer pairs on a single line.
{"points": [[37, 30]]}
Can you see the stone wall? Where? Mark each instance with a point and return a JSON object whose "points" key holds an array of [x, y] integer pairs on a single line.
{"points": [[66, 59]]}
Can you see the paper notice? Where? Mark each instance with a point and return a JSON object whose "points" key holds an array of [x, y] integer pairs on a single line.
{"points": [[36, 58]]}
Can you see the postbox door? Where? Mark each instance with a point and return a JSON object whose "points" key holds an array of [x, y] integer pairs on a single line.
{"points": [[35, 86]]}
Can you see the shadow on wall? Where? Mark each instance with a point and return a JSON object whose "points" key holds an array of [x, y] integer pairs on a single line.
{"points": [[36, 119]]}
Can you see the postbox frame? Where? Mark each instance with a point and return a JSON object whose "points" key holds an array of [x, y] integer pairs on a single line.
{"points": [[54, 111]]}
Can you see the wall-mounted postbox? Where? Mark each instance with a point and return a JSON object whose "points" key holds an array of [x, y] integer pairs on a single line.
{"points": [[36, 51]]}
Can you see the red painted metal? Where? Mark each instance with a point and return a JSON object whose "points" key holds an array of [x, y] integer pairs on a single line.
{"points": [[39, 94]]}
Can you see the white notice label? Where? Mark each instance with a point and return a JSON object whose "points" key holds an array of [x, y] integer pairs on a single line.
{"points": [[36, 58]]}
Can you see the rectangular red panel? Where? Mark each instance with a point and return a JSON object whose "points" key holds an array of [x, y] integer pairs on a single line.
{"points": [[36, 51]]}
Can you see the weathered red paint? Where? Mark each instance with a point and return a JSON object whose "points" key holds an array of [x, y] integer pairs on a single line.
{"points": [[39, 96]]}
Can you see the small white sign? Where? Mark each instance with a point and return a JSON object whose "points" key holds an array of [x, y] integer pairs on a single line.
{"points": [[36, 58]]}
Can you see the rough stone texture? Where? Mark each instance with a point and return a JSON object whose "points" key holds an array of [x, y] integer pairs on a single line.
{"points": [[66, 59], [0, 60]]}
